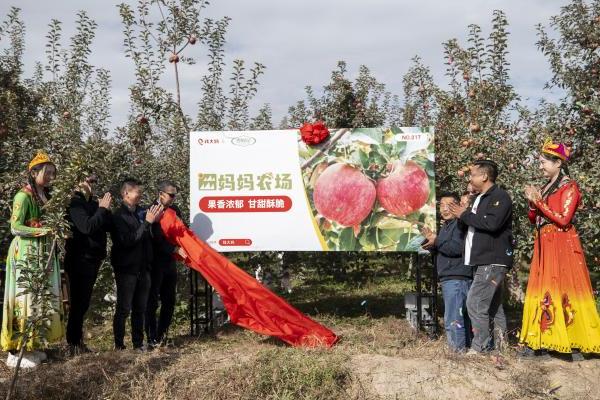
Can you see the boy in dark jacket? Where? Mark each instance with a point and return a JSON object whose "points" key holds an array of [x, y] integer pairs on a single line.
{"points": [[454, 275], [131, 258], [489, 249], [85, 250]]}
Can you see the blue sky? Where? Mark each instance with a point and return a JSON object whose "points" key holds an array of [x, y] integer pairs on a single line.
{"points": [[300, 42]]}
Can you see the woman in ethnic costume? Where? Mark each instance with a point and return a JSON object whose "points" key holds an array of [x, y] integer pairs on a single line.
{"points": [[31, 239], [560, 311]]}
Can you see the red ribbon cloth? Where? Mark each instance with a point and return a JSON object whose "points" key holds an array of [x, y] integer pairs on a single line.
{"points": [[248, 303]]}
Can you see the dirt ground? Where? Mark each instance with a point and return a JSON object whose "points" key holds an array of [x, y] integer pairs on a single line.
{"points": [[376, 359]]}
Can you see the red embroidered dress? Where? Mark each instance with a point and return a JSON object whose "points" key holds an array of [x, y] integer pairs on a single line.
{"points": [[560, 311]]}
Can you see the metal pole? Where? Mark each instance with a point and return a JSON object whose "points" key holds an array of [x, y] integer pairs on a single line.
{"points": [[434, 290], [208, 307], [419, 290], [191, 301]]}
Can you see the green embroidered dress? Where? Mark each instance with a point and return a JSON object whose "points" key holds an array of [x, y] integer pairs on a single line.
{"points": [[30, 238]]}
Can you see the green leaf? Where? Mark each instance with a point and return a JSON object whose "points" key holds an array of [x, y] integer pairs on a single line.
{"points": [[367, 240], [387, 239], [387, 222], [374, 133], [347, 240]]}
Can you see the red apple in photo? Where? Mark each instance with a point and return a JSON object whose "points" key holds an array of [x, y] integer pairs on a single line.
{"points": [[405, 190], [344, 194]]}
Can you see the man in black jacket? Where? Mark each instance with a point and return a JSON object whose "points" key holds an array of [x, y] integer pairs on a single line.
{"points": [[164, 273], [131, 258], [489, 249], [454, 275], [85, 250]]}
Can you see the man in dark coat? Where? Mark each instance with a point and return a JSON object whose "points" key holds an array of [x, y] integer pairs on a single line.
{"points": [[131, 258], [489, 249], [85, 250], [164, 273]]}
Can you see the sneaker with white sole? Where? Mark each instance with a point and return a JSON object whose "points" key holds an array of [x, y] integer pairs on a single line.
{"points": [[472, 353], [29, 360]]}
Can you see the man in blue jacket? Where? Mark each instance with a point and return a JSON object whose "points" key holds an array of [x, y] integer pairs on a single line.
{"points": [[454, 275]]}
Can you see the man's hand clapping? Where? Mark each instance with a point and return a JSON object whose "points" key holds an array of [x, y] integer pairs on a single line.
{"points": [[154, 213], [105, 201]]}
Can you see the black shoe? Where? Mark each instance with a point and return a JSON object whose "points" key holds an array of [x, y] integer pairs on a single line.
{"points": [[528, 352], [577, 356], [74, 350], [120, 347], [153, 344]]}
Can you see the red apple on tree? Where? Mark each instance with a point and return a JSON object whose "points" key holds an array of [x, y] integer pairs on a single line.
{"points": [[344, 194], [405, 190], [142, 120]]}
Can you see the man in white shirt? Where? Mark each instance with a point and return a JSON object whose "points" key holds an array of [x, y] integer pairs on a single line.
{"points": [[489, 250]]}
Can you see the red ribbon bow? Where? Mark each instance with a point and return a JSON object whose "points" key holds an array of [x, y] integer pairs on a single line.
{"points": [[313, 134]]}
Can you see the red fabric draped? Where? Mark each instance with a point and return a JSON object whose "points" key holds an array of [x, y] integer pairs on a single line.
{"points": [[248, 303]]}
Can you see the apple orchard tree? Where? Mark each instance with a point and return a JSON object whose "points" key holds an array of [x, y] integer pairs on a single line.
{"points": [[64, 108]]}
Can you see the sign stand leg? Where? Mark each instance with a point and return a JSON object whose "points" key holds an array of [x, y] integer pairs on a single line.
{"points": [[197, 320]]}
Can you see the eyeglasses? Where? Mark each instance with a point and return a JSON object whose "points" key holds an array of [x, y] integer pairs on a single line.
{"points": [[171, 195]]}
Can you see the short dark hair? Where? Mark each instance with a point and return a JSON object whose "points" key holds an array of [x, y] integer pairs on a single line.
{"points": [[163, 185], [489, 167], [450, 194], [129, 183], [91, 178]]}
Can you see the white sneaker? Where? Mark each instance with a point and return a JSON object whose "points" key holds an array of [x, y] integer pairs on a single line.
{"points": [[29, 360], [472, 353]]}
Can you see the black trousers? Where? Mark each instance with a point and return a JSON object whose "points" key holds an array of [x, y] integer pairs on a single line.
{"points": [[132, 297], [82, 278], [163, 289]]}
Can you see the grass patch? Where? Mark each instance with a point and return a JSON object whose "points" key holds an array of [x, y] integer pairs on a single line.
{"points": [[285, 374]]}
